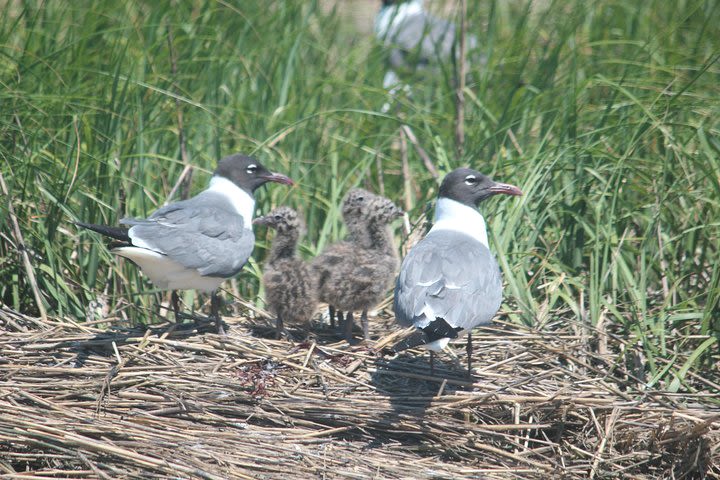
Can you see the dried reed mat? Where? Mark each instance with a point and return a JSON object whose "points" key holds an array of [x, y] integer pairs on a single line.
{"points": [[80, 401]]}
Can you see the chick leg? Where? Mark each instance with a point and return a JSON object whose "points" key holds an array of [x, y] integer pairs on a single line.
{"points": [[215, 312]]}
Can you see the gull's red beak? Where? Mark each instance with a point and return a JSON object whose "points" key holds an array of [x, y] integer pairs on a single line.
{"points": [[279, 178], [506, 189]]}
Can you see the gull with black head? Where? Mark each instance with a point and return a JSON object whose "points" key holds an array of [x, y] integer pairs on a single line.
{"points": [[200, 242], [450, 282]]}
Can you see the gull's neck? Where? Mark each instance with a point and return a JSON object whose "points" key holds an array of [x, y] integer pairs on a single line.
{"points": [[391, 15], [453, 215], [242, 202]]}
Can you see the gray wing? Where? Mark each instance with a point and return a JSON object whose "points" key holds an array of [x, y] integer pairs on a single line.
{"points": [[448, 275], [423, 39], [210, 239]]}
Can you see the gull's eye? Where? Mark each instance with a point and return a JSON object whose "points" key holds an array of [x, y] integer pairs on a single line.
{"points": [[471, 180], [278, 217], [252, 168]]}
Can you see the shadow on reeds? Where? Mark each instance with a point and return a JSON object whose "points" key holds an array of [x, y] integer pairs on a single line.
{"points": [[411, 385], [411, 389], [320, 333], [102, 343]]}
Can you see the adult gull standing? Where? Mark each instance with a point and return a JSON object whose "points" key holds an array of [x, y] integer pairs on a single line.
{"points": [[200, 242], [450, 282]]}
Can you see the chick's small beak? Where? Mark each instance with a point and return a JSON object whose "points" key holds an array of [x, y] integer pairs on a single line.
{"points": [[261, 221]]}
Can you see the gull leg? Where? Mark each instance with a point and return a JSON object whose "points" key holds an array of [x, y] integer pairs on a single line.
{"points": [[348, 326], [469, 350], [331, 312], [279, 326], [340, 318], [365, 326], [175, 301], [215, 312]]}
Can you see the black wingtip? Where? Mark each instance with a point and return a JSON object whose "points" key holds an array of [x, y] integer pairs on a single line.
{"points": [[117, 233], [436, 330], [416, 339]]}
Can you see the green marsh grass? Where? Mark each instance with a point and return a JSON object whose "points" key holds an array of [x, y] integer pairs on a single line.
{"points": [[605, 113]]}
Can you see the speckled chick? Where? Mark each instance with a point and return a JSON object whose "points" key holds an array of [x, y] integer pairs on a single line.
{"points": [[355, 274], [290, 286], [354, 211]]}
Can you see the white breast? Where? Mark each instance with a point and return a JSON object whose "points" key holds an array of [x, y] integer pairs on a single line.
{"points": [[452, 215], [242, 202]]}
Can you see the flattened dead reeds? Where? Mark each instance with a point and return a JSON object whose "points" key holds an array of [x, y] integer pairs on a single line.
{"points": [[127, 403]]}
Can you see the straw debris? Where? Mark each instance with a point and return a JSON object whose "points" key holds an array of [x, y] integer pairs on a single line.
{"points": [[80, 401]]}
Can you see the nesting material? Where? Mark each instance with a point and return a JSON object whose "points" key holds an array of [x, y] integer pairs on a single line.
{"points": [[79, 401], [99, 400]]}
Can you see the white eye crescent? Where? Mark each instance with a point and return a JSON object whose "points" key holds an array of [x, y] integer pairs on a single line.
{"points": [[252, 168], [471, 180]]}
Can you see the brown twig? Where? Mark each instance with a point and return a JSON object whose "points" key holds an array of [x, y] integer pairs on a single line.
{"points": [[20, 242], [187, 171], [420, 151], [407, 180]]}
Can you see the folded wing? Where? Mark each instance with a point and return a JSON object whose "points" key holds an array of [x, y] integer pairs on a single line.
{"points": [[211, 240], [451, 276]]}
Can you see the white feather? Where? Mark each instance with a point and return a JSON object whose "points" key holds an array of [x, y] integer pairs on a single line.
{"points": [[391, 15], [437, 345], [139, 242], [452, 215], [166, 273], [242, 202], [427, 315]]}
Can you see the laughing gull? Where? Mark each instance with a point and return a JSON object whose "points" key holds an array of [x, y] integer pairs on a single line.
{"points": [[355, 274], [416, 39], [450, 282], [197, 243], [290, 286]]}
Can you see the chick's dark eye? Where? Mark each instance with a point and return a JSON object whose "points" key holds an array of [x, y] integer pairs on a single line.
{"points": [[278, 217], [471, 180], [252, 168]]}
